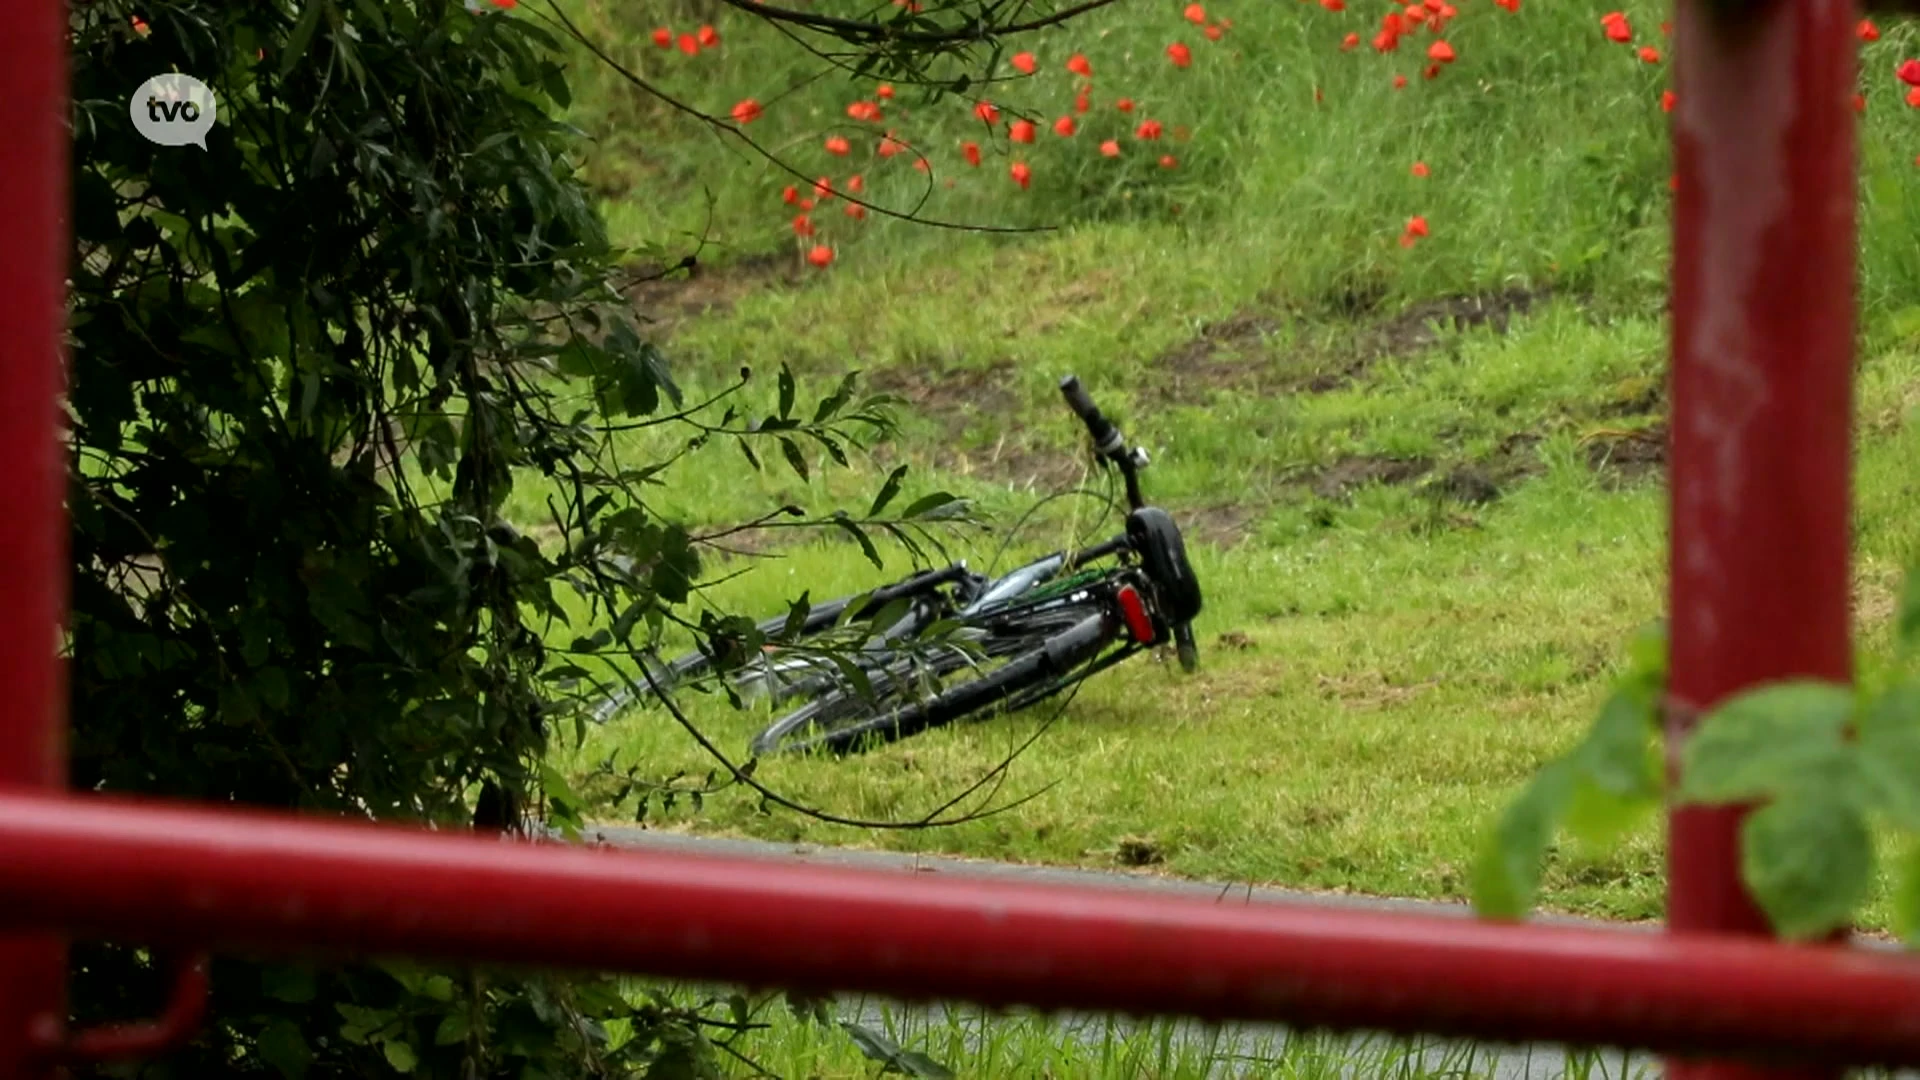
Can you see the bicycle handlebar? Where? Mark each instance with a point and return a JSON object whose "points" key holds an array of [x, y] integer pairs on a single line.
{"points": [[1107, 440]]}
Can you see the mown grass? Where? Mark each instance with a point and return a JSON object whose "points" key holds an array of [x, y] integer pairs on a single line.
{"points": [[980, 1043], [1383, 663]]}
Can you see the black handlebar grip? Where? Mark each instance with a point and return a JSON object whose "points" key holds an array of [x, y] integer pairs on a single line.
{"points": [[1106, 438]]}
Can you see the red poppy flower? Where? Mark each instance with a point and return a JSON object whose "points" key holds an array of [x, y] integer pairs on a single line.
{"points": [[1415, 15], [791, 196], [1649, 55], [1125, 104], [1214, 33], [1431, 71], [856, 183], [1617, 27], [802, 225], [863, 110], [890, 146], [820, 256], [806, 204], [987, 113], [1334, 5], [1020, 173], [709, 38], [1393, 24], [1179, 54], [1867, 31], [663, 37], [1110, 148], [1859, 103], [1666, 29], [1407, 240], [1510, 5], [1021, 131], [1081, 102], [1667, 100], [922, 164], [1385, 42], [885, 93], [1079, 66], [1417, 226], [1448, 12], [506, 5], [1913, 97], [1196, 14], [1399, 82], [1909, 72], [823, 189], [971, 151], [1420, 169], [1226, 23], [1024, 63], [1168, 161], [1148, 129], [1440, 52], [837, 145], [689, 44], [1350, 43], [1063, 126], [746, 112], [856, 211]]}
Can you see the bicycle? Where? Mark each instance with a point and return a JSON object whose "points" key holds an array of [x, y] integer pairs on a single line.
{"points": [[1048, 624]]}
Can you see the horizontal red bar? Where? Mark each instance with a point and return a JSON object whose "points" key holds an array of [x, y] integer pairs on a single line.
{"points": [[168, 875]]}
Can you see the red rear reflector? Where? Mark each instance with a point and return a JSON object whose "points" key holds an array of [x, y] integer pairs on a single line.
{"points": [[1134, 609]]}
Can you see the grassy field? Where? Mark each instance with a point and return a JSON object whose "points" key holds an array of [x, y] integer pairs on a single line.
{"points": [[1423, 484]]}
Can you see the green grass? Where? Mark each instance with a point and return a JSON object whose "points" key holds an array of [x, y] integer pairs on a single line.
{"points": [[1382, 666], [979, 1043]]}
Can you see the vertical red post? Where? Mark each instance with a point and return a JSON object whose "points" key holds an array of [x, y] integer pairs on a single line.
{"points": [[1763, 316], [33, 570]]}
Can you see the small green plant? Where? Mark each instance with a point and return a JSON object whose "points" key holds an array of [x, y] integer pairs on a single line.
{"points": [[1823, 762]]}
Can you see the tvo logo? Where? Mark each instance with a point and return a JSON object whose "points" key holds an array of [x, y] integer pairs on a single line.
{"points": [[173, 110]]}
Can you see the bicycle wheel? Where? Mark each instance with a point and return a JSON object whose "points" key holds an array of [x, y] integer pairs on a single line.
{"points": [[696, 665], [843, 719]]}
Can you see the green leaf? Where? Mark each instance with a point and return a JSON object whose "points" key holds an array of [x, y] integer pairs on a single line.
{"points": [[1889, 754], [1615, 754], [927, 505], [786, 392], [878, 1047], [1808, 860], [1766, 741], [794, 457], [837, 400], [887, 491], [400, 1056], [1506, 876], [1598, 816], [284, 1048], [860, 536], [453, 1028], [438, 988], [301, 37], [289, 984]]}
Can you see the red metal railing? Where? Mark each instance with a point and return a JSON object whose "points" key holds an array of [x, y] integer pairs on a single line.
{"points": [[1761, 368]]}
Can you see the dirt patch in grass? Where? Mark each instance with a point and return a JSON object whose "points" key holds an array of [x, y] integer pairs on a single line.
{"points": [[1222, 526], [1341, 478], [1237, 355], [954, 398], [1622, 458], [666, 296], [962, 400]]}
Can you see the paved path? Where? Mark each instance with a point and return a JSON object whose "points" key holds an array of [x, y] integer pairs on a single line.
{"points": [[1237, 1042]]}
